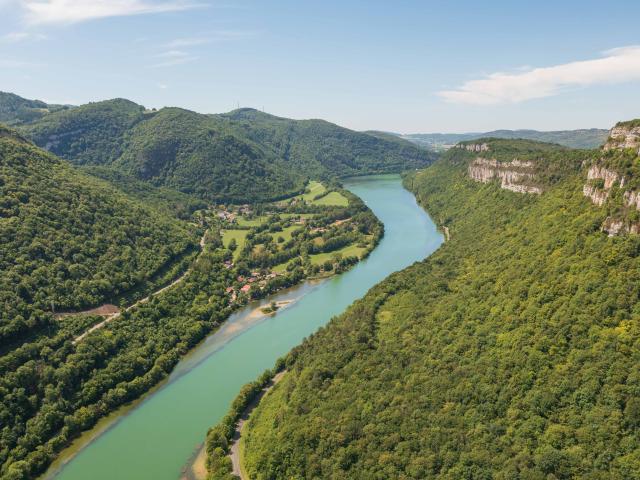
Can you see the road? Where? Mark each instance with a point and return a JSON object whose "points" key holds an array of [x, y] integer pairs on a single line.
{"points": [[234, 451], [115, 316]]}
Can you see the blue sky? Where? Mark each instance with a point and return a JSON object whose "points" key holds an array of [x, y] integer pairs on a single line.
{"points": [[404, 66]]}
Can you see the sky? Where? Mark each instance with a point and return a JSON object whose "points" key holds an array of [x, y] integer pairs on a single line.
{"points": [[401, 66]]}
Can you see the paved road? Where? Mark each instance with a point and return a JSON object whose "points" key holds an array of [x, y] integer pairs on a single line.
{"points": [[234, 452]]}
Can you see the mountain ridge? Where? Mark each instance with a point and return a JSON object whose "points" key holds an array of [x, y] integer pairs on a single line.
{"points": [[243, 155], [586, 138]]}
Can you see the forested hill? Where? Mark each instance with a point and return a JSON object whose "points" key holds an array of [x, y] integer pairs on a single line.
{"points": [[321, 148], [70, 241], [15, 110], [582, 138], [244, 155], [511, 352]]}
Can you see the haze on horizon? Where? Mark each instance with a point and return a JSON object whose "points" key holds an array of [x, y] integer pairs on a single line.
{"points": [[410, 67]]}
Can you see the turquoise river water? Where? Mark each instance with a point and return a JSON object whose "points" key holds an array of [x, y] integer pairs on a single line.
{"points": [[154, 439]]}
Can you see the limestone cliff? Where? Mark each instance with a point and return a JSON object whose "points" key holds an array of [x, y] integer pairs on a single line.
{"points": [[599, 183], [517, 176], [604, 178], [624, 135], [474, 147]]}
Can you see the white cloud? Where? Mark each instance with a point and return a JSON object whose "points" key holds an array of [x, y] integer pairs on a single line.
{"points": [[15, 37], [187, 42], [616, 66], [216, 36], [174, 57], [73, 11]]}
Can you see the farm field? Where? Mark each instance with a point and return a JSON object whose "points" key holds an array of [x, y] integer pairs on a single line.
{"points": [[332, 199], [348, 251], [240, 238], [252, 222]]}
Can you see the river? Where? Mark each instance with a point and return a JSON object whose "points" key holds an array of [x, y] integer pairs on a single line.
{"points": [[154, 439]]}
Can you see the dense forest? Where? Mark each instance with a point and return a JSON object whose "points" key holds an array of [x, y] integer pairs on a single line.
{"points": [[53, 389], [15, 109], [69, 241], [242, 156], [510, 353]]}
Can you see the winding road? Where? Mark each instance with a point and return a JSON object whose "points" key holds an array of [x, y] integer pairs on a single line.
{"points": [[234, 451], [116, 315]]}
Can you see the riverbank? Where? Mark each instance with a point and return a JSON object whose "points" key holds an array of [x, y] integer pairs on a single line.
{"points": [[244, 319], [234, 449]]}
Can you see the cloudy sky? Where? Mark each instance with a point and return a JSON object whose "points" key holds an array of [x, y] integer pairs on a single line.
{"points": [[404, 66]]}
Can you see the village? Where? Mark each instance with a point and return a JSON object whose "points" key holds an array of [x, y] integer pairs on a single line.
{"points": [[276, 245]]}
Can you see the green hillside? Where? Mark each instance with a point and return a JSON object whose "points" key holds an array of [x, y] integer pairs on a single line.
{"points": [[69, 241], [92, 134], [510, 353], [201, 155], [15, 109], [583, 138], [322, 149], [242, 156]]}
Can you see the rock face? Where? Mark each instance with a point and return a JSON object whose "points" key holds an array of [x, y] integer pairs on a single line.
{"points": [[630, 198], [615, 227], [516, 175], [601, 180], [608, 176], [623, 137], [475, 147], [596, 194]]}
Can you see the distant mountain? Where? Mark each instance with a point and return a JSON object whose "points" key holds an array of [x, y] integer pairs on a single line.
{"points": [[584, 138], [244, 155], [15, 110], [69, 240]]}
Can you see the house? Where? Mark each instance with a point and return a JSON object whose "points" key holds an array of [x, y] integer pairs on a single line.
{"points": [[245, 289]]}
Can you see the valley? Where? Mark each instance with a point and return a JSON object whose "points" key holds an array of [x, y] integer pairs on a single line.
{"points": [[519, 335], [201, 386], [112, 277], [231, 249]]}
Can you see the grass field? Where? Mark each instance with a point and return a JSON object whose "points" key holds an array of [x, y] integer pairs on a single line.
{"points": [[281, 268], [320, 258], [254, 222], [285, 233], [348, 251], [239, 235], [332, 199], [315, 188]]}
